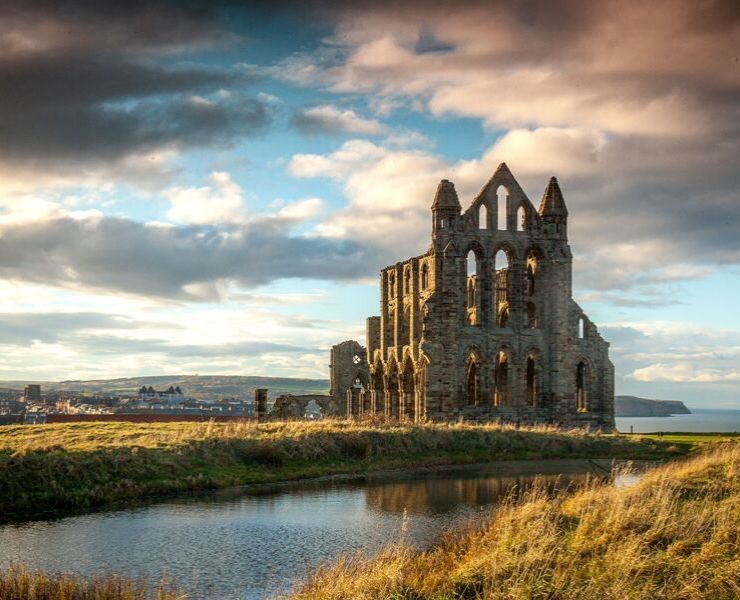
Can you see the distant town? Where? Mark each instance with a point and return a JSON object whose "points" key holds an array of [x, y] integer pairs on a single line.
{"points": [[34, 405]]}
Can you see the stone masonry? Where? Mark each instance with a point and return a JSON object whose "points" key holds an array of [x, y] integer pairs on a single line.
{"points": [[482, 326]]}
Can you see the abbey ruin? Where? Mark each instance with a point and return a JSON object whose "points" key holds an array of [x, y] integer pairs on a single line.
{"points": [[483, 325]]}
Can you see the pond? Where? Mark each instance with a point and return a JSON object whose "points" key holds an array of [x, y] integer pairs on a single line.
{"points": [[249, 544]]}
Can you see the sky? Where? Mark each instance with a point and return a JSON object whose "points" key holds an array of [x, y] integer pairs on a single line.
{"points": [[212, 187]]}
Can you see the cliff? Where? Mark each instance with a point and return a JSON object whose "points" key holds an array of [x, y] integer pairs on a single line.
{"points": [[632, 406]]}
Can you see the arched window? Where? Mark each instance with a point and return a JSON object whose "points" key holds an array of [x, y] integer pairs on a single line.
{"points": [[424, 276], [471, 288], [407, 281], [581, 328], [521, 219], [482, 217], [530, 281], [502, 195], [501, 267], [472, 381], [531, 381], [472, 262], [391, 285], [581, 387], [501, 380]]}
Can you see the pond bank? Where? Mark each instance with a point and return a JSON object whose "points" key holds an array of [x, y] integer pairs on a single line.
{"points": [[83, 465]]}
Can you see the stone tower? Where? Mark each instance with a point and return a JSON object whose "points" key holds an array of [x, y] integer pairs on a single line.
{"points": [[483, 326]]}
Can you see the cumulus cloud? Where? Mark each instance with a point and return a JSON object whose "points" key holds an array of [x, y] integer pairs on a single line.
{"points": [[329, 119], [221, 202]]}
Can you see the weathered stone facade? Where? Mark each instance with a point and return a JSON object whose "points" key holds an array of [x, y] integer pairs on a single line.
{"points": [[483, 326]]}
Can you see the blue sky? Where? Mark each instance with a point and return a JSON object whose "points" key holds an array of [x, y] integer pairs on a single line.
{"points": [[206, 188]]}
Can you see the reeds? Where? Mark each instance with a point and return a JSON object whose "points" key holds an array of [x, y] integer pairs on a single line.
{"points": [[17, 583], [673, 535]]}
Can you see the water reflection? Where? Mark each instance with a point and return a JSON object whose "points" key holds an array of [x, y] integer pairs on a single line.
{"points": [[440, 496], [230, 545]]}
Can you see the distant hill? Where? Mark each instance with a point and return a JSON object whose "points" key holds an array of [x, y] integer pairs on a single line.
{"points": [[632, 406], [203, 387]]}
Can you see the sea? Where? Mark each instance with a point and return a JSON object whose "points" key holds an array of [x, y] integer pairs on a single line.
{"points": [[700, 420]]}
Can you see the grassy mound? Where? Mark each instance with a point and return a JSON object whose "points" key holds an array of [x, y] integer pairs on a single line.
{"points": [[674, 535], [79, 465]]}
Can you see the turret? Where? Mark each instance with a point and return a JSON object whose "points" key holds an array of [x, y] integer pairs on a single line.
{"points": [[445, 208], [553, 211]]}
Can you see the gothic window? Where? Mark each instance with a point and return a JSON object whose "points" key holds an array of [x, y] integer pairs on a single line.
{"points": [[472, 381], [501, 380], [471, 289], [424, 276], [530, 281], [501, 200], [521, 219], [407, 281], [442, 223], [392, 285], [482, 217], [581, 328], [581, 387], [501, 271]]}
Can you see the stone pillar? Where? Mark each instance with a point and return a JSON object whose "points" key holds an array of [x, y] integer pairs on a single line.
{"points": [[260, 403]]}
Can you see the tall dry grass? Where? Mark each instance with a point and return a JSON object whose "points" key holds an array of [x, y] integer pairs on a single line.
{"points": [[674, 535], [17, 583], [78, 465]]}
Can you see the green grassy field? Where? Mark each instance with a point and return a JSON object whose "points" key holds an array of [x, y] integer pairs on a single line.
{"points": [[81, 465], [674, 535]]}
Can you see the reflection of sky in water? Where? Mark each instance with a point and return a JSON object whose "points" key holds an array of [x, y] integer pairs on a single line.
{"points": [[250, 546]]}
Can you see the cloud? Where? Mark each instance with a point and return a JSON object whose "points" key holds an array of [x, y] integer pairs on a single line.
{"points": [[221, 202], [94, 89], [638, 220], [328, 119], [188, 262], [655, 68], [693, 362], [684, 373]]}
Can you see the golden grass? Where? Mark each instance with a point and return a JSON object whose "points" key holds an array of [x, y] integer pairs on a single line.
{"points": [[78, 465], [17, 583], [673, 535]]}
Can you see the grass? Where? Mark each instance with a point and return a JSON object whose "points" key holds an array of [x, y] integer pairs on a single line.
{"points": [[674, 535], [17, 583], [82, 465]]}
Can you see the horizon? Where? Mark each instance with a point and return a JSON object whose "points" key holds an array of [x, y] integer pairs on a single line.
{"points": [[211, 188]]}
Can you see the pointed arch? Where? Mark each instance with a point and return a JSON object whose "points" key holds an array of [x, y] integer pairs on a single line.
{"points": [[408, 390], [502, 200], [583, 382], [532, 374], [501, 378], [581, 327], [521, 219], [482, 216], [472, 284], [378, 384], [392, 390], [407, 280], [472, 378], [424, 276]]}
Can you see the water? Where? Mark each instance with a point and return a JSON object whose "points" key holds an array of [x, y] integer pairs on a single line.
{"points": [[238, 545], [701, 420]]}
